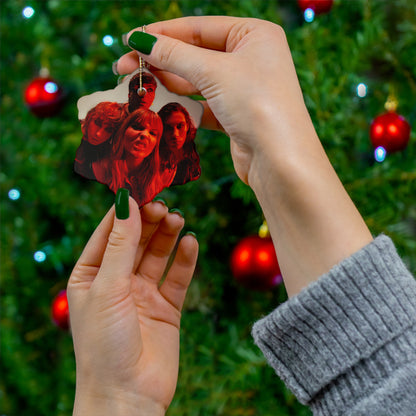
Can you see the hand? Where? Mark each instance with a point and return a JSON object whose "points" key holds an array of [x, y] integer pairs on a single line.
{"points": [[244, 69], [125, 324]]}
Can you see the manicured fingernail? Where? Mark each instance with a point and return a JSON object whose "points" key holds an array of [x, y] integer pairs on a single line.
{"points": [[114, 68], [121, 79], [124, 39], [191, 233], [176, 211], [161, 200], [122, 204], [142, 42]]}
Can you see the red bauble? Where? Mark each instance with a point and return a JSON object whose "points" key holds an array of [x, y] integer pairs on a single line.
{"points": [[391, 131], [60, 311], [254, 263], [318, 6], [44, 97]]}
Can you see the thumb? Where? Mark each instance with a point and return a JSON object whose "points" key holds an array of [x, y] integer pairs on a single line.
{"points": [[190, 62], [123, 240]]}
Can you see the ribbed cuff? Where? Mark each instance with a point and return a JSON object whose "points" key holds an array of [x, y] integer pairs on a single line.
{"points": [[338, 338]]}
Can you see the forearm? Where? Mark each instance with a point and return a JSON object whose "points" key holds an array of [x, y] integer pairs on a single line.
{"points": [[312, 220]]}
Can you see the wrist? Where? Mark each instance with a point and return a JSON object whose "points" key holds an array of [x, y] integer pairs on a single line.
{"points": [[312, 220], [284, 152]]}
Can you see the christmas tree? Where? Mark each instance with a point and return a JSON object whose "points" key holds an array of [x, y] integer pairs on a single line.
{"points": [[349, 60]]}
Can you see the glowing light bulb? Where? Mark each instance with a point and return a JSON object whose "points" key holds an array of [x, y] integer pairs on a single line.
{"points": [[380, 154], [309, 15], [39, 256], [14, 194], [28, 12], [50, 87], [361, 90], [108, 40]]}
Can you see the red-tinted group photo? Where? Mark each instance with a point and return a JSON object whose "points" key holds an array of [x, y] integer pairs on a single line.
{"points": [[127, 145]]}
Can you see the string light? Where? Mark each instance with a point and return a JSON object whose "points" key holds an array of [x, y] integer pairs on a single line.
{"points": [[39, 256], [361, 90], [28, 12], [51, 87], [309, 15], [380, 154], [14, 194], [108, 40]]}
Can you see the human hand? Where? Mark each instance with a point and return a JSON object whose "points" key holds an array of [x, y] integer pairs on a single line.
{"points": [[244, 69], [125, 324]]}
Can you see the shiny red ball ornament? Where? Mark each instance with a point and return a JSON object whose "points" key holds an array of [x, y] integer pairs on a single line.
{"points": [[254, 263], [60, 310], [318, 6], [390, 131], [44, 97]]}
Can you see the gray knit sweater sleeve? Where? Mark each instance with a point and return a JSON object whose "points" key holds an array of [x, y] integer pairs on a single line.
{"points": [[346, 345]]}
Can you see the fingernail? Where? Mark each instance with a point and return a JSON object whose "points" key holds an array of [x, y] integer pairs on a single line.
{"points": [[176, 211], [161, 200], [191, 233], [124, 39], [122, 204], [142, 42], [114, 67], [121, 79]]}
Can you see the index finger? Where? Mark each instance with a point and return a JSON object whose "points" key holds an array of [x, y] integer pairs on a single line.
{"points": [[209, 32]]}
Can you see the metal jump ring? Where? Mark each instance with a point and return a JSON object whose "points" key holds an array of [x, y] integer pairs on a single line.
{"points": [[141, 92]]}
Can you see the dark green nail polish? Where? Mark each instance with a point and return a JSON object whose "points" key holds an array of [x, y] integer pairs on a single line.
{"points": [[177, 211], [191, 233], [142, 42], [121, 79], [161, 200], [122, 204]]}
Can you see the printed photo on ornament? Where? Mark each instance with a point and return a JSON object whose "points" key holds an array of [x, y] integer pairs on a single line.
{"points": [[138, 136]]}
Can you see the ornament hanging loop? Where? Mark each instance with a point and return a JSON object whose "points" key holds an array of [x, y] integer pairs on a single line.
{"points": [[141, 91], [264, 230], [392, 102]]}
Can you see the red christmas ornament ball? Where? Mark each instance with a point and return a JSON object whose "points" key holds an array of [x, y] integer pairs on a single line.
{"points": [[390, 131], [318, 6], [44, 97], [254, 263], [60, 310]]}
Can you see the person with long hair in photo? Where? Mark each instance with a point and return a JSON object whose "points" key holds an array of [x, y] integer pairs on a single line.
{"points": [[135, 156], [99, 128], [179, 159]]}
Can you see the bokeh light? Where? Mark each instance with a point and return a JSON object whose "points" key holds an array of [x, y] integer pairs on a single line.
{"points": [[361, 90], [39, 256], [380, 154], [309, 15], [28, 12], [51, 87], [14, 194], [108, 40]]}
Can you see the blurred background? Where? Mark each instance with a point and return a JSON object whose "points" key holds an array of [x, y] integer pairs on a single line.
{"points": [[352, 56]]}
